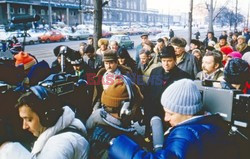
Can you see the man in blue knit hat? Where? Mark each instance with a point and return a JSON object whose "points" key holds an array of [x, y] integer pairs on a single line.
{"points": [[192, 135]]}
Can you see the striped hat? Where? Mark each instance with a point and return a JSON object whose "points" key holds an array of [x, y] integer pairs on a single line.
{"points": [[23, 58]]}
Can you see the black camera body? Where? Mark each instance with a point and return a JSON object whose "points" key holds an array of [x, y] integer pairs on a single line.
{"points": [[71, 92], [60, 84]]}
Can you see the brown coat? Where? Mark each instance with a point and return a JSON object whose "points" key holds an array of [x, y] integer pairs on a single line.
{"points": [[98, 88]]}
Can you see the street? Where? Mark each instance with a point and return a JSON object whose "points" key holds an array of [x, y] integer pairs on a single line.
{"points": [[44, 51]]}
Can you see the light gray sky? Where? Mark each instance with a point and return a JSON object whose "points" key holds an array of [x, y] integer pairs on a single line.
{"points": [[175, 6]]}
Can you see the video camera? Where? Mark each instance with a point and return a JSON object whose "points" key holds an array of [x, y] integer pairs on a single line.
{"points": [[231, 104], [60, 84], [71, 91]]}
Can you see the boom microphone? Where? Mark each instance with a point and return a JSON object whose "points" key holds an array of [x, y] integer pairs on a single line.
{"points": [[25, 19], [157, 132]]}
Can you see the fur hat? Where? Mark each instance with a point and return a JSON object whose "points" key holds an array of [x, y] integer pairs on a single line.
{"points": [[25, 59], [167, 52], [226, 50], [103, 41], [223, 37], [196, 42], [236, 71], [182, 97], [180, 42], [241, 37], [246, 57], [110, 55]]}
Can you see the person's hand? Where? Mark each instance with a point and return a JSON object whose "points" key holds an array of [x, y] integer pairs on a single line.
{"points": [[101, 135]]}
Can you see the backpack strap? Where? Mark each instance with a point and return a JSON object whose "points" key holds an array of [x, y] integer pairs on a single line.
{"points": [[71, 129]]}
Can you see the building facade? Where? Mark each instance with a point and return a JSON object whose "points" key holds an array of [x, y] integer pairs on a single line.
{"points": [[71, 12]]}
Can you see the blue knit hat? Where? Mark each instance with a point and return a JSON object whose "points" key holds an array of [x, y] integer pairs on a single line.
{"points": [[182, 97]]}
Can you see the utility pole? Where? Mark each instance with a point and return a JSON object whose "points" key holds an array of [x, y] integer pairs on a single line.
{"points": [[211, 11], [50, 15], [80, 12], [248, 14], [236, 15], [190, 20], [97, 22]]}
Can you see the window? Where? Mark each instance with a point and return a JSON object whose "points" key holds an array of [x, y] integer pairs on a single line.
{"points": [[128, 4], [43, 12], [120, 16], [21, 11], [33, 11], [12, 10], [105, 15]]}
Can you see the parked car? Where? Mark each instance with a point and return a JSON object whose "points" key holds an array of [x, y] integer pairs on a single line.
{"points": [[20, 37], [78, 35], [51, 36], [124, 41]]}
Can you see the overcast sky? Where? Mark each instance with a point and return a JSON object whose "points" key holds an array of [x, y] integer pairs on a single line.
{"points": [[176, 5]]}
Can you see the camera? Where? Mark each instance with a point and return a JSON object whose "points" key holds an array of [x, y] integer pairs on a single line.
{"points": [[60, 84]]}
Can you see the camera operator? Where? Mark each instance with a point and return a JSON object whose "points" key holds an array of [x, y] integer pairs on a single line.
{"points": [[56, 65], [192, 135], [237, 75], [34, 71], [110, 118], [59, 134]]}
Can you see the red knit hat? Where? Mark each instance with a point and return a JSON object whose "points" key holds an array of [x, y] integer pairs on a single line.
{"points": [[226, 50], [25, 59]]}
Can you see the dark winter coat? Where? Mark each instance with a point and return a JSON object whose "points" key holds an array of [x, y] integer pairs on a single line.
{"points": [[203, 137]]}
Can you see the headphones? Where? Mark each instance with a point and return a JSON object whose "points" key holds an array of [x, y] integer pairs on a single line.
{"points": [[48, 112], [127, 105]]}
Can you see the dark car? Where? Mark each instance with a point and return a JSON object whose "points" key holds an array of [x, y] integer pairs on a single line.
{"points": [[124, 41]]}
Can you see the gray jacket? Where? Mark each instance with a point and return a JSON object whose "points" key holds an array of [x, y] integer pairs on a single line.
{"points": [[189, 64]]}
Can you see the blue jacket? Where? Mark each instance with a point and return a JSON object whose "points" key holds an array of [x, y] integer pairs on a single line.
{"points": [[198, 138]]}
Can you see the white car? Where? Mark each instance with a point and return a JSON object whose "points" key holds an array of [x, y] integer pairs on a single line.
{"points": [[79, 34], [20, 37]]}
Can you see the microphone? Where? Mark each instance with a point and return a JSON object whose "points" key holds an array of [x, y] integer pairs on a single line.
{"points": [[157, 132], [62, 52], [25, 19]]}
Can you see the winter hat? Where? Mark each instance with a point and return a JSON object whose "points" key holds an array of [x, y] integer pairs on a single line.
{"points": [[196, 42], [235, 54], [223, 37], [246, 57], [236, 71], [241, 37], [117, 92], [25, 59], [110, 55], [211, 43], [226, 50], [103, 41], [167, 52], [182, 97], [180, 42]]}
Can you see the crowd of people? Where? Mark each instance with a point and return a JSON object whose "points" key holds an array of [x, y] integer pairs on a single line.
{"points": [[122, 96]]}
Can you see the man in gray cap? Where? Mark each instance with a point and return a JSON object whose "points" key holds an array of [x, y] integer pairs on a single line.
{"points": [[144, 38], [185, 61], [192, 135]]}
